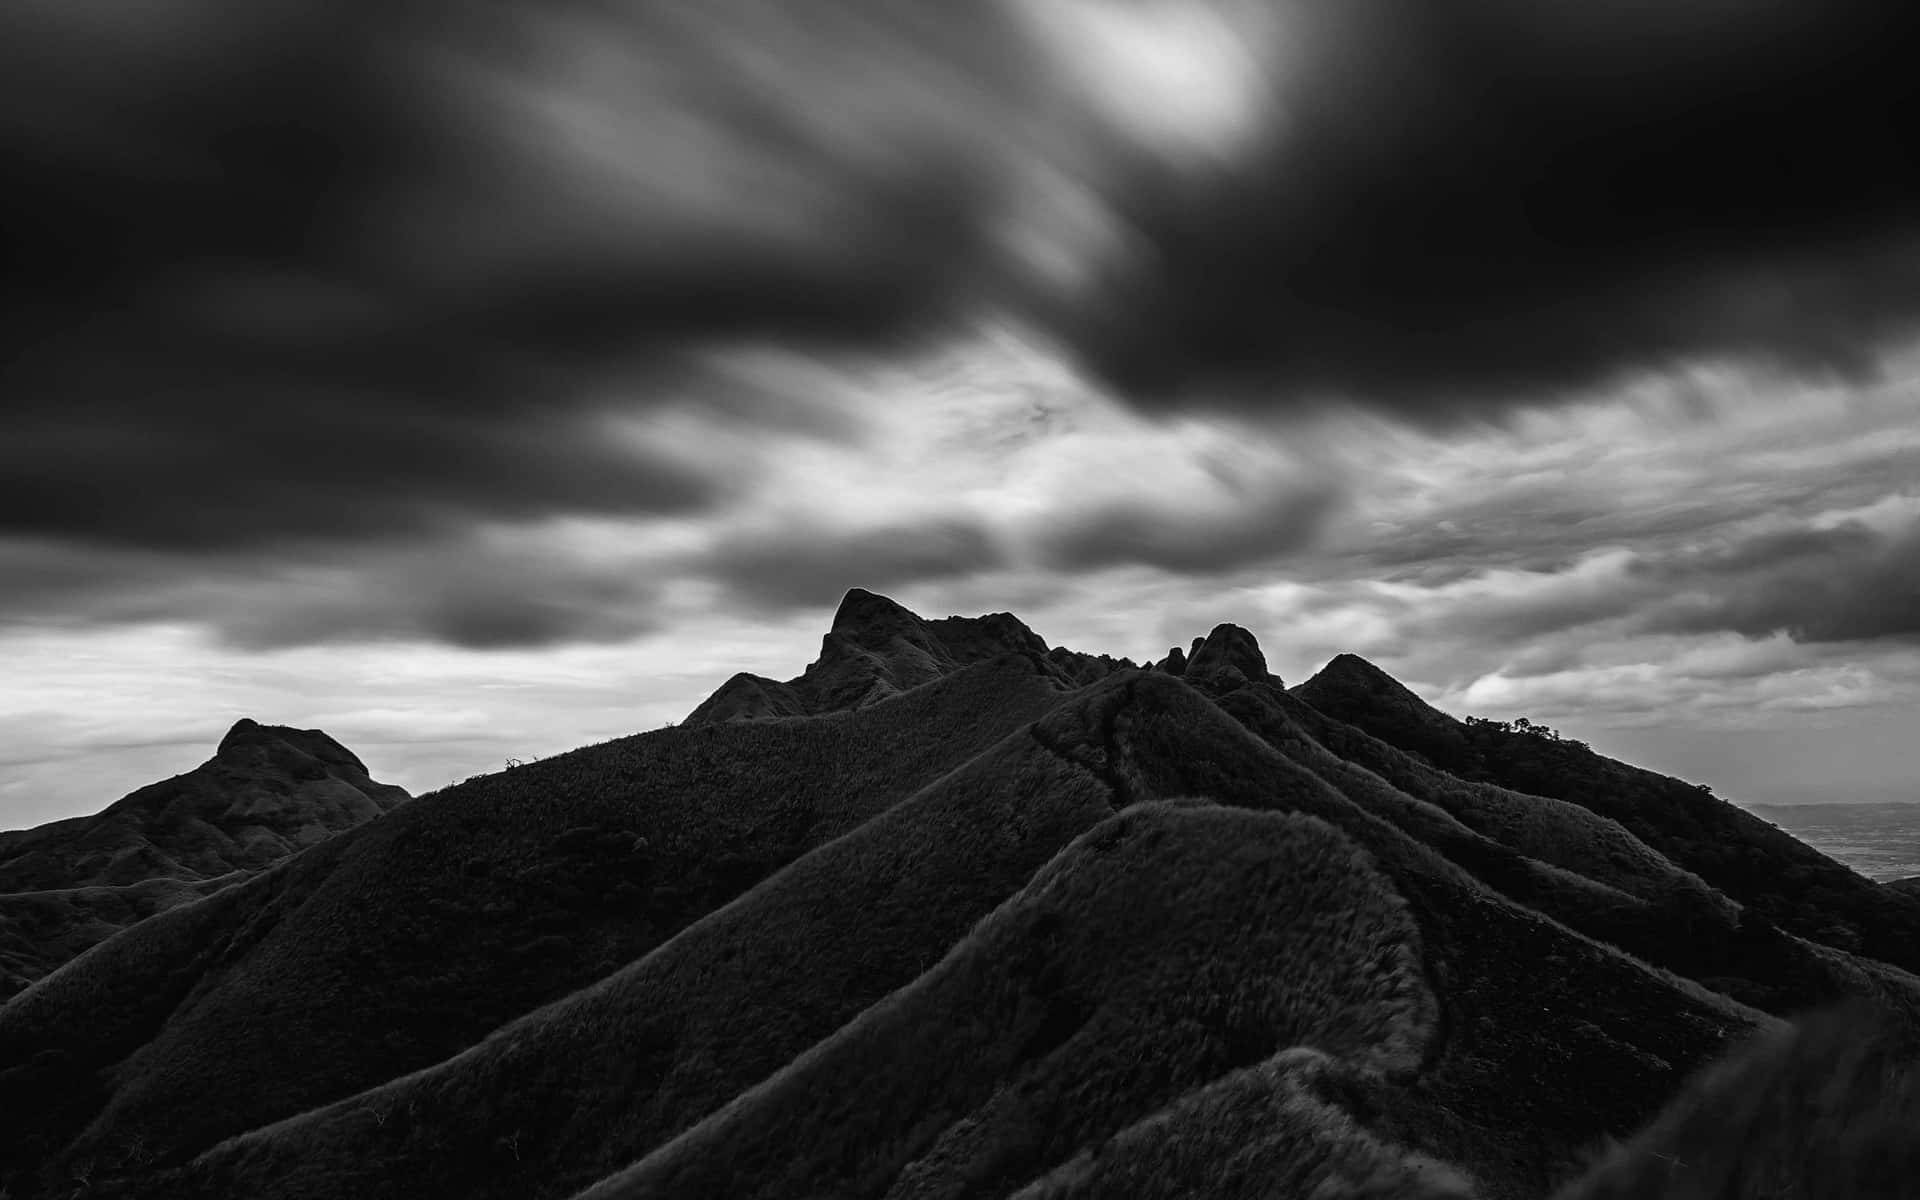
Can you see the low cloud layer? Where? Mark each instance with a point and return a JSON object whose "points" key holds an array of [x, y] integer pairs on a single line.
{"points": [[1846, 583]]}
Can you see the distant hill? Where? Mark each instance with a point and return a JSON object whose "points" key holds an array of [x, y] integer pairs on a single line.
{"points": [[1878, 839], [268, 792], [980, 918]]}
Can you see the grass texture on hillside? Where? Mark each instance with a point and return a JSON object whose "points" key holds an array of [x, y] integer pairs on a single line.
{"points": [[576, 1089], [408, 940], [1162, 949], [1828, 1108], [1551, 1038], [1787, 883], [1670, 918], [1284, 1127]]}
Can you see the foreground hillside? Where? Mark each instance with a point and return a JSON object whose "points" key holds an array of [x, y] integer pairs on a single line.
{"points": [[268, 792], [956, 914]]}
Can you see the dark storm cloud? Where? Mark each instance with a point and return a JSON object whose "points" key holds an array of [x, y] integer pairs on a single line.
{"points": [[1475, 202], [473, 592], [1255, 528], [293, 275], [132, 443], [1447, 202], [350, 270], [798, 566], [1847, 583]]}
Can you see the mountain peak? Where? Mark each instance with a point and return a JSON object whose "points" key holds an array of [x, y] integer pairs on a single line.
{"points": [[1349, 674], [1228, 649], [1352, 666], [862, 611], [878, 648], [248, 733]]}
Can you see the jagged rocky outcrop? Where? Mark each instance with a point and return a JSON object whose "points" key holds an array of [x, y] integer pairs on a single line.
{"points": [[268, 792], [877, 649], [1175, 663], [1229, 654]]}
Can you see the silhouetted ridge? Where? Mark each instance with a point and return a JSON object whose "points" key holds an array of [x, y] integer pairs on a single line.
{"points": [[1352, 675], [1229, 650], [746, 696], [1783, 883], [862, 611], [1350, 685], [248, 733], [876, 649], [972, 638]]}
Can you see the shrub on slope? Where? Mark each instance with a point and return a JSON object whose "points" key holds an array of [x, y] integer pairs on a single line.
{"points": [[590, 1083], [471, 906], [1163, 948]]}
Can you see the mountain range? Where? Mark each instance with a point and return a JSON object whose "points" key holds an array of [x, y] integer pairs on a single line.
{"points": [[958, 914]]}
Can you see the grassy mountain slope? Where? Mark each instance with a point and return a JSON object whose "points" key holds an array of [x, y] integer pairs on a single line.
{"points": [[1612, 887], [577, 1088], [986, 919], [1784, 881], [1286, 1126], [267, 793], [466, 908], [1167, 946], [1552, 1038], [1827, 1108]]}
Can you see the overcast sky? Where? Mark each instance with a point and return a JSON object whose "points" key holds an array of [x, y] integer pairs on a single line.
{"points": [[479, 381]]}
